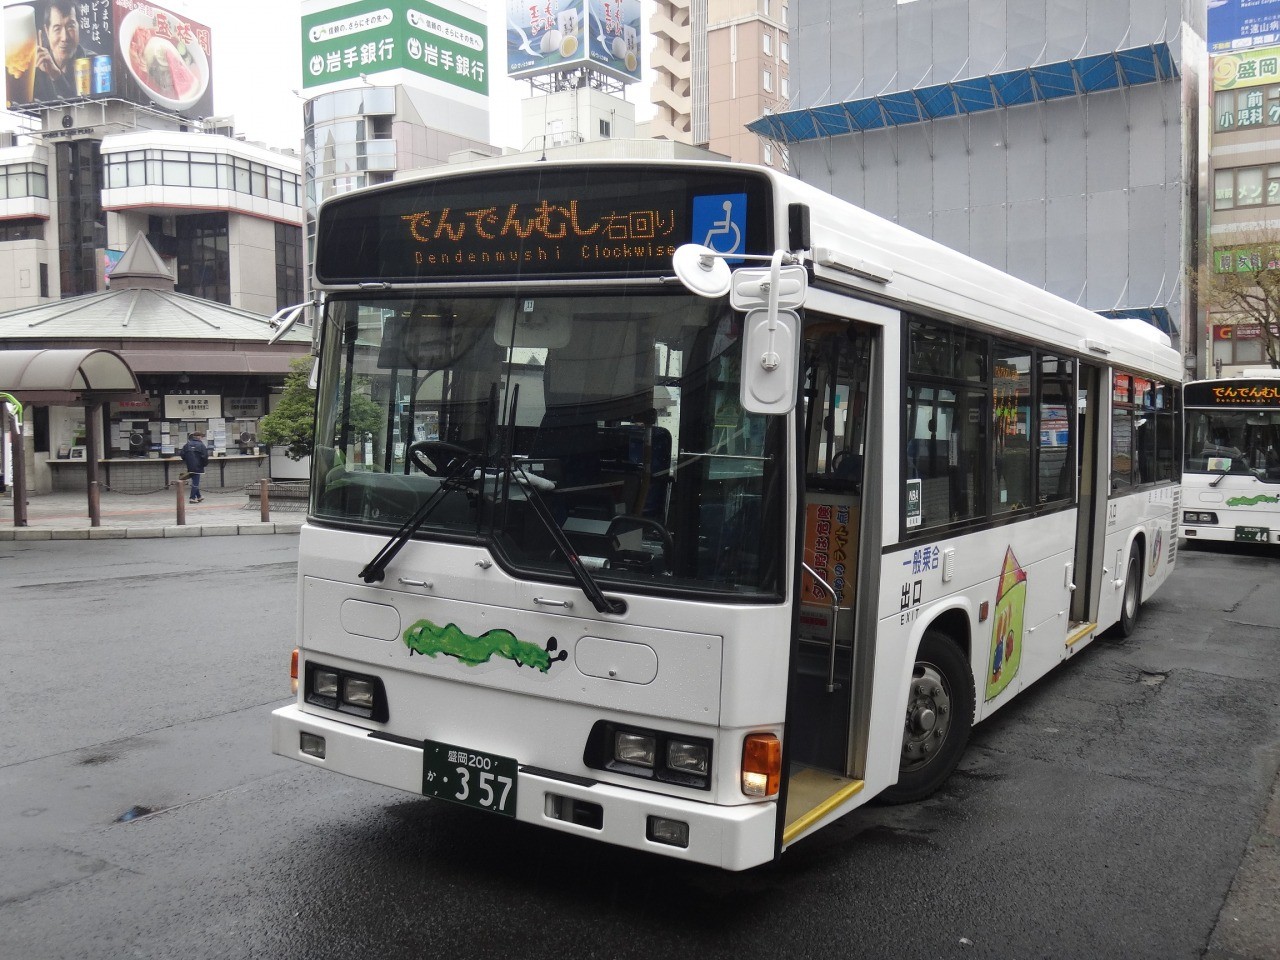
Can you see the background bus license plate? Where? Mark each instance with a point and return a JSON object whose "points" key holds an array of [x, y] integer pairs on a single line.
{"points": [[469, 777], [1253, 534]]}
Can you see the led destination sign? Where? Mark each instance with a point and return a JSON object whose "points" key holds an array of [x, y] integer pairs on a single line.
{"points": [[561, 223], [1244, 394]]}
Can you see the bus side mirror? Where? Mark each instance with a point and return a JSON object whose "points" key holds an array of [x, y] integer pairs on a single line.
{"points": [[771, 335], [770, 358]]}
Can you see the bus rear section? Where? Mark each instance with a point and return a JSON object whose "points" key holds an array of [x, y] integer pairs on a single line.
{"points": [[1231, 466]]}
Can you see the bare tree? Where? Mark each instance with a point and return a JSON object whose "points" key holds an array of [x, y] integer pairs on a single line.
{"points": [[1241, 285]]}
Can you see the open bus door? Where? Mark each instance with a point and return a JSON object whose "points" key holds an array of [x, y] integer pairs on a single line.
{"points": [[839, 420], [1091, 503]]}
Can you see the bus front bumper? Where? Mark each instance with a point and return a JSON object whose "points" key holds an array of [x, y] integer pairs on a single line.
{"points": [[729, 837]]}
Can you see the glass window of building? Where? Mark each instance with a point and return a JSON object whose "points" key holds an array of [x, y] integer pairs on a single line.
{"points": [[204, 262], [1249, 192], [288, 265]]}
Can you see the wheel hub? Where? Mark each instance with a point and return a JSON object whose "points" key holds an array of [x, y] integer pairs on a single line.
{"points": [[928, 717]]}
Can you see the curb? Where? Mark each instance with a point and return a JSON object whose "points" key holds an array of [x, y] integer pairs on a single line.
{"points": [[146, 533]]}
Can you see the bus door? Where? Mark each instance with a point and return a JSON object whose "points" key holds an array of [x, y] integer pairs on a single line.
{"points": [[841, 398], [1091, 492]]}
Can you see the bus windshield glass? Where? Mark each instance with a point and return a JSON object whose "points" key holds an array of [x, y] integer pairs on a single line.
{"points": [[1245, 442], [619, 412]]}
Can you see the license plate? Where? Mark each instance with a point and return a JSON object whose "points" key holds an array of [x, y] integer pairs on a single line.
{"points": [[469, 777], [1253, 534]]}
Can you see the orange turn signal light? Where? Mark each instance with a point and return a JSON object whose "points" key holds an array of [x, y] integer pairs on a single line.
{"points": [[761, 765], [293, 670]]}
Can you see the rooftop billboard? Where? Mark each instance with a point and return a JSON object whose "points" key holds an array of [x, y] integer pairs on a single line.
{"points": [[64, 50], [163, 59], [551, 36], [545, 36], [615, 37], [370, 37], [1241, 24]]}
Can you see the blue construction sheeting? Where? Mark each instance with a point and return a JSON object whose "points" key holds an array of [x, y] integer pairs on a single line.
{"points": [[1013, 88]]}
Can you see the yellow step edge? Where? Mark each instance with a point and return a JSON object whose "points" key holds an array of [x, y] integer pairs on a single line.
{"points": [[1083, 631], [821, 810]]}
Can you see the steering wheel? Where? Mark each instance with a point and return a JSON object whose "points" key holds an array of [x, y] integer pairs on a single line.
{"points": [[838, 461], [624, 522], [436, 458]]}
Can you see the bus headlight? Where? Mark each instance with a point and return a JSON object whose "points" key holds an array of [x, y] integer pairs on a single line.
{"points": [[636, 748], [355, 693], [1199, 516], [649, 754], [688, 757], [358, 693], [325, 683]]}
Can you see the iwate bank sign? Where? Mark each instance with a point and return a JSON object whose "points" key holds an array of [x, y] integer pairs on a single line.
{"points": [[343, 43]]}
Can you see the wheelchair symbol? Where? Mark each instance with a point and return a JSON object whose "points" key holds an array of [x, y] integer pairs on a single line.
{"points": [[721, 230]]}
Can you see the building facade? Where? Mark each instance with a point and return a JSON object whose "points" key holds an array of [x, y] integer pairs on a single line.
{"points": [[360, 134], [1244, 219], [1058, 142], [200, 365], [748, 52], [718, 65], [672, 61], [225, 214]]}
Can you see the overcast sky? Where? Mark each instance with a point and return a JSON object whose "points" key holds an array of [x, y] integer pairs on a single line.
{"points": [[257, 66], [258, 63]]}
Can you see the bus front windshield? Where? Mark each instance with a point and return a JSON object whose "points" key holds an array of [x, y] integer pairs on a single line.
{"points": [[606, 423], [1245, 442]]}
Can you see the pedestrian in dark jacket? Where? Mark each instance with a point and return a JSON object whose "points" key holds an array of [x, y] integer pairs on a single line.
{"points": [[196, 457]]}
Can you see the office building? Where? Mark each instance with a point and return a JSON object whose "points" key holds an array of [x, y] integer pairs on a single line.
{"points": [[1058, 142]]}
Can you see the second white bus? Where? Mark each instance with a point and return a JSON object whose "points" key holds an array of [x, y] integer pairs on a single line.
{"points": [[1231, 467]]}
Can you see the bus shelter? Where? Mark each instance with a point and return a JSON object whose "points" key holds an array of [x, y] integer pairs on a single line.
{"points": [[83, 377]]}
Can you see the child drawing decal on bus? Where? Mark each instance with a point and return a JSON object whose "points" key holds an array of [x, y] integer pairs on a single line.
{"points": [[426, 638], [1006, 634]]}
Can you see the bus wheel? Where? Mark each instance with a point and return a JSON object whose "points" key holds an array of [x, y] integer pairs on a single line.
{"points": [[939, 716], [1132, 600]]}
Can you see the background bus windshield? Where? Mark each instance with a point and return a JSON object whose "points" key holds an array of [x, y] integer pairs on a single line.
{"points": [[620, 413], [1245, 442]]}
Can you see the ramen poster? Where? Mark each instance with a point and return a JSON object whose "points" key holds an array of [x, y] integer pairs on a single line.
{"points": [[163, 59]]}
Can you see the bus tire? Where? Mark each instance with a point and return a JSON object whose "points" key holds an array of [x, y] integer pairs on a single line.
{"points": [[940, 706], [1131, 602]]}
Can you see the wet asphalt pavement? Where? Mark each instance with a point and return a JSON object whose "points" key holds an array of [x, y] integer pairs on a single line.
{"points": [[1123, 807]]}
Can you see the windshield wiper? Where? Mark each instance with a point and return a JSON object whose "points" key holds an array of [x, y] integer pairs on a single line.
{"points": [[579, 570], [511, 467], [374, 570]]}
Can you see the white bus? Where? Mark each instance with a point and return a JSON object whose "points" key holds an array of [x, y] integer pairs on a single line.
{"points": [[1231, 467], [686, 507]]}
